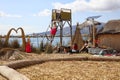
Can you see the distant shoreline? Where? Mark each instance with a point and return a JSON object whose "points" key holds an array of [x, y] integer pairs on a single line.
{"points": [[29, 36]]}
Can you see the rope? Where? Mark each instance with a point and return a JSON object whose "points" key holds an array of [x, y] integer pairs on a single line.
{"points": [[47, 37], [45, 33], [52, 38]]}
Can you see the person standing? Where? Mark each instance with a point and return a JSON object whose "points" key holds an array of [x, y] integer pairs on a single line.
{"points": [[28, 46], [74, 48]]}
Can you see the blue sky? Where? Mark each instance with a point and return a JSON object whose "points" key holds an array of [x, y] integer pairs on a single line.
{"points": [[34, 16]]}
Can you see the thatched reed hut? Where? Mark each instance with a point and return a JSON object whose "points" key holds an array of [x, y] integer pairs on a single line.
{"points": [[77, 38], [110, 35]]}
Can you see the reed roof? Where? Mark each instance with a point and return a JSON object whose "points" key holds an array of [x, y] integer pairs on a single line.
{"points": [[112, 26]]}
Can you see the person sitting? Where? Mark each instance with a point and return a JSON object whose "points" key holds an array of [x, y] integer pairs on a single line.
{"points": [[66, 50], [85, 47], [74, 48]]}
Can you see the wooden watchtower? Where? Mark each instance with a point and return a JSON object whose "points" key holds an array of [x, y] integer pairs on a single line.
{"points": [[61, 17]]}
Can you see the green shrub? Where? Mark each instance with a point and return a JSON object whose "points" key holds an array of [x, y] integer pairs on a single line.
{"points": [[41, 46], [48, 48], [15, 44], [1, 43], [6, 45], [34, 49]]}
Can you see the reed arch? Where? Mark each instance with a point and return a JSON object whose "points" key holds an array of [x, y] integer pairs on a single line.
{"points": [[22, 35], [8, 35]]}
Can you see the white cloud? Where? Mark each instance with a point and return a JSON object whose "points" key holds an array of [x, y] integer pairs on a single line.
{"points": [[45, 12], [104, 5], [3, 14], [27, 29], [91, 5], [77, 5]]}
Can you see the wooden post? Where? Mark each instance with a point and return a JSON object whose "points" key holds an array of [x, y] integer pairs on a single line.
{"points": [[61, 33], [93, 36], [70, 24]]}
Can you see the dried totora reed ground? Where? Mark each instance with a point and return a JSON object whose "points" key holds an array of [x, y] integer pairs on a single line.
{"points": [[71, 70]]}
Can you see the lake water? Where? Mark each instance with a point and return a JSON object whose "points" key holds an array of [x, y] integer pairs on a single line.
{"points": [[36, 41]]}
